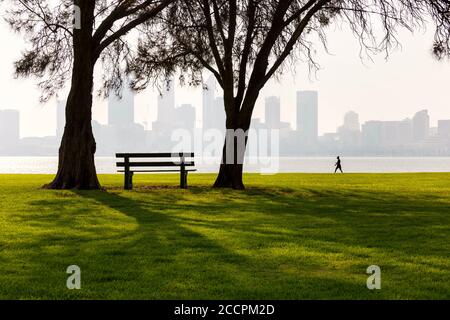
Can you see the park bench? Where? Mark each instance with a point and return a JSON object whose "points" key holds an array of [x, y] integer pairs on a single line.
{"points": [[155, 162]]}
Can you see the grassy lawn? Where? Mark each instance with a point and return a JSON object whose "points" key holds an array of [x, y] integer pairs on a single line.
{"points": [[289, 236]]}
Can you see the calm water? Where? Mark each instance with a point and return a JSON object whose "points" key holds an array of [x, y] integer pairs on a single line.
{"points": [[310, 165]]}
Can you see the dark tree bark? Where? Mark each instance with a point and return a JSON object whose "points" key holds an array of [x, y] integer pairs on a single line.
{"points": [[230, 176], [76, 167], [237, 124]]}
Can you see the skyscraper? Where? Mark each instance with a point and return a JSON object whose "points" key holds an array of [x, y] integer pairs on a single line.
{"points": [[444, 128], [387, 133], [307, 116], [167, 115], [121, 110], [372, 133], [421, 126], [213, 107], [349, 132], [186, 117], [272, 109], [351, 121], [9, 127]]}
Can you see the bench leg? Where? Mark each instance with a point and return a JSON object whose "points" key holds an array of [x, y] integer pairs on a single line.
{"points": [[125, 181], [131, 180], [128, 181], [183, 179]]}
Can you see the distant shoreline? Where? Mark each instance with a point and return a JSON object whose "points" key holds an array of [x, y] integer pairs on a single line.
{"points": [[107, 165]]}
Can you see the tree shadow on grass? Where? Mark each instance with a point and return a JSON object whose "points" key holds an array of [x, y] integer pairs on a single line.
{"points": [[395, 230], [154, 254], [406, 233], [205, 243]]}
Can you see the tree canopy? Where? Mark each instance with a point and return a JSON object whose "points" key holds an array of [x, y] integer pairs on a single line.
{"points": [[49, 28], [231, 37]]}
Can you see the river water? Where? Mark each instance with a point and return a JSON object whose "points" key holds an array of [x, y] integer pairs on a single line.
{"points": [[288, 164]]}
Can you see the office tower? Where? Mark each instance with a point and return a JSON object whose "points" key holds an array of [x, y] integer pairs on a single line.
{"points": [[9, 127], [421, 126], [167, 115], [307, 116], [60, 118], [213, 107], [186, 117], [272, 115], [390, 133], [387, 133], [444, 128], [371, 133], [404, 131], [121, 108], [351, 121], [208, 102], [349, 133]]}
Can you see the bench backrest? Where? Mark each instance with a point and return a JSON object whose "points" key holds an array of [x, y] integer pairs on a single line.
{"points": [[173, 160]]}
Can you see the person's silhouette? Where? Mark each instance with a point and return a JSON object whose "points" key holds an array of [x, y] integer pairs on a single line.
{"points": [[338, 165]]}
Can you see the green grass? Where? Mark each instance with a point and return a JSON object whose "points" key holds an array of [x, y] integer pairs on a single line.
{"points": [[289, 236]]}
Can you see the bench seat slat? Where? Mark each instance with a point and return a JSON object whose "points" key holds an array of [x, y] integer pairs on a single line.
{"points": [[154, 155], [156, 164], [189, 170]]}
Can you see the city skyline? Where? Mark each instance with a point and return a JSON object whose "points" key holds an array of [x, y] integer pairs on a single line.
{"points": [[211, 97], [413, 135]]}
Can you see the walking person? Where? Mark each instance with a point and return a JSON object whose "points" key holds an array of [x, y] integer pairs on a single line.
{"points": [[338, 165]]}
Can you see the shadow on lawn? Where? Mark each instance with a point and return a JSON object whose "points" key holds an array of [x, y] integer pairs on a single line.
{"points": [[202, 267], [262, 243], [355, 223]]}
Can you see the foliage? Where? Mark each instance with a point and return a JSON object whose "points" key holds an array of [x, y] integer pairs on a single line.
{"points": [[244, 43], [48, 28]]}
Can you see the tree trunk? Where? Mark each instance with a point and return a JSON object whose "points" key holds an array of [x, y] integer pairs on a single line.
{"points": [[237, 123], [76, 167], [231, 168], [230, 174]]}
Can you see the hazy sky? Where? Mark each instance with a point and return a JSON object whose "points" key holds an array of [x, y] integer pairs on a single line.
{"points": [[409, 81]]}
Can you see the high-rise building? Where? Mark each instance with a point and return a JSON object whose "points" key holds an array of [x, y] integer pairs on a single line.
{"points": [[387, 133], [60, 118], [9, 127], [372, 133], [272, 112], [396, 133], [213, 107], [166, 104], [444, 128], [351, 121], [208, 102], [421, 125], [186, 117], [121, 108], [307, 116], [405, 131], [350, 133], [167, 115]]}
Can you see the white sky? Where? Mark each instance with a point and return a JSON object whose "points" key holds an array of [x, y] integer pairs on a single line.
{"points": [[409, 81]]}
